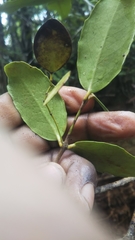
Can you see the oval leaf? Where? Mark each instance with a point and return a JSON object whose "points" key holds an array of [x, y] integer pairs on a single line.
{"points": [[52, 45], [104, 43], [27, 86], [107, 158]]}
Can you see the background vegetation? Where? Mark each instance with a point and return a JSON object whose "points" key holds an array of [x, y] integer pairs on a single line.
{"points": [[17, 31]]}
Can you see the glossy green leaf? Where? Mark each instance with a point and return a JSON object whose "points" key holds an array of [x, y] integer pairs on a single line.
{"points": [[107, 158], [27, 86], [52, 45], [57, 87], [105, 42], [61, 6]]}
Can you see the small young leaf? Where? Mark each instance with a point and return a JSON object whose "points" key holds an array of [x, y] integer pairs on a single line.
{"points": [[52, 45], [104, 43], [27, 86], [108, 158], [57, 87]]}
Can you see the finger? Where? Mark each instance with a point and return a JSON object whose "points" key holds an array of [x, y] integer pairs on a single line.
{"points": [[80, 176], [104, 126], [53, 172], [32, 208], [24, 136], [11, 119], [73, 98], [9, 116]]}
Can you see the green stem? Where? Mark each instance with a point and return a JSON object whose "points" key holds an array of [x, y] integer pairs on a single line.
{"points": [[100, 103], [86, 98], [70, 146], [51, 77], [65, 143]]}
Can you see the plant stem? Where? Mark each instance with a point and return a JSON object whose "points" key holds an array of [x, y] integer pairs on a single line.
{"points": [[65, 143], [86, 98], [62, 150], [100, 103], [51, 77]]}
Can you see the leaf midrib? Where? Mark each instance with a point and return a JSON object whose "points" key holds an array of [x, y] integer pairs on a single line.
{"points": [[96, 65]]}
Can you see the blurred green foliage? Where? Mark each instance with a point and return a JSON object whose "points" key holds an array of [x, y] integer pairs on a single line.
{"points": [[17, 32]]}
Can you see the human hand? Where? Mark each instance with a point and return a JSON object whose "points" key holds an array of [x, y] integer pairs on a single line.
{"points": [[22, 197], [38, 206], [75, 172], [100, 126]]}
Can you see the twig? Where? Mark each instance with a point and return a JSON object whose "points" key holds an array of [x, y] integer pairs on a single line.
{"points": [[131, 230], [118, 183], [65, 143]]}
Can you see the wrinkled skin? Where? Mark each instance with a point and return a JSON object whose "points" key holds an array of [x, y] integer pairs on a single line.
{"points": [[76, 173]]}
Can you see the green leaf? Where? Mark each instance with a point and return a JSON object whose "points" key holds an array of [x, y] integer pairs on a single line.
{"points": [[107, 158], [27, 86], [11, 6], [52, 45], [105, 42], [57, 87], [61, 6]]}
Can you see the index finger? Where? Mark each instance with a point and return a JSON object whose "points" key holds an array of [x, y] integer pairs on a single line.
{"points": [[103, 126], [73, 98], [10, 117]]}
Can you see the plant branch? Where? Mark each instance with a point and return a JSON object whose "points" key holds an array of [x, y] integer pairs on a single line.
{"points": [[65, 143], [131, 230], [86, 98], [113, 185]]}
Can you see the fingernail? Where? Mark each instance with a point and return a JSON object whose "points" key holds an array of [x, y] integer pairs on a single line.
{"points": [[88, 194]]}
